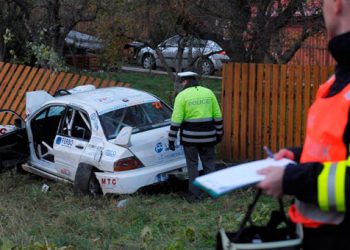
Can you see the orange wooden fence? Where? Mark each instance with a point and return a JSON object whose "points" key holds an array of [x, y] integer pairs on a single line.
{"points": [[16, 80], [266, 105]]}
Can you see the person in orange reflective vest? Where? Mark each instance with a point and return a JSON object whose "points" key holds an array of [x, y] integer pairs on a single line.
{"points": [[321, 179]]}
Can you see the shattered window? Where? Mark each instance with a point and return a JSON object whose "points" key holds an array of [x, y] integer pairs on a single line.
{"points": [[141, 117]]}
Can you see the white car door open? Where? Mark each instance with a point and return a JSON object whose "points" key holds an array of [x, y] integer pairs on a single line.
{"points": [[71, 142]]}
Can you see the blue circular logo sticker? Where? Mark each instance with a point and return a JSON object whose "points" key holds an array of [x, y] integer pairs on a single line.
{"points": [[58, 140], [158, 148]]}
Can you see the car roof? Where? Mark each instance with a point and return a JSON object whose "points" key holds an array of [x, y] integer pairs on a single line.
{"points": [[104, 100]]}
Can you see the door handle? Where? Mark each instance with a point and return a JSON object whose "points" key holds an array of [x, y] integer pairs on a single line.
{"points": [[79, 146]]}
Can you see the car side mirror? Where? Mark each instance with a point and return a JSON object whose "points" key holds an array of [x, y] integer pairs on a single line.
{"points": [[123, 137]]}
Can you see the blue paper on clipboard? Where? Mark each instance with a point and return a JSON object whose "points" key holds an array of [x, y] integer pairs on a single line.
{"points": [[231, 178]]}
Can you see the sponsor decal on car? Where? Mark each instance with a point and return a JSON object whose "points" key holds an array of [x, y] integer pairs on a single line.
{"points": [[108, 181], [106, 99], [167, 157], [158, 148], [165, 154], [3, 131], [63, 141], [6, 129], [65, 171], [110, 153], [93, 118]]}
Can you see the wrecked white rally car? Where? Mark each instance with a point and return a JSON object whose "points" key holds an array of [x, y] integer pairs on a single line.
{"points": [[111, 140]]}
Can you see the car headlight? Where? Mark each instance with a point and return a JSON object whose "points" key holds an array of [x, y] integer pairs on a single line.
{"points": [[128, 163]]}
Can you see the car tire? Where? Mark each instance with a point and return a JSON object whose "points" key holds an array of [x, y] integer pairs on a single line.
{"points": [[148, 61], [205, 66], [86, 182]]}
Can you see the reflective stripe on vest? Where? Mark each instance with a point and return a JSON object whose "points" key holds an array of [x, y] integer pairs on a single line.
{"points": [[324, 143], [331, 187]]}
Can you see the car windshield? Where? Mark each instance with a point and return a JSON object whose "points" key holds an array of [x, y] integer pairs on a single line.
{"points": [[140, 117]]}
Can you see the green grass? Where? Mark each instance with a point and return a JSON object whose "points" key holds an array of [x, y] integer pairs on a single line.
{"points": [[157, 219], [31, 219]]}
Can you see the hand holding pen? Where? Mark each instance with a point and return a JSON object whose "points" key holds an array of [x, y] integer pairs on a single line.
{"points": [[272, 183], [282, 153], [268, 152]]}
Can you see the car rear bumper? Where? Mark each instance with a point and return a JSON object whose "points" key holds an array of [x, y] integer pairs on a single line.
{"points": [[127, 182], [218, 60]]}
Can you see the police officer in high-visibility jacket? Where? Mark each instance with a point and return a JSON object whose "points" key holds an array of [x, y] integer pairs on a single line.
{"points": [[198, 116], [321, 179]]}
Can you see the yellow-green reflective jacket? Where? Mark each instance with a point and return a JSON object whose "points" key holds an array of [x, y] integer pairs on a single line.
{"points": [[198, 116]]}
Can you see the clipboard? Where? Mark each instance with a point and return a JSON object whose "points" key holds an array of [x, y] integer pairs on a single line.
{"points": [[235, 177]]}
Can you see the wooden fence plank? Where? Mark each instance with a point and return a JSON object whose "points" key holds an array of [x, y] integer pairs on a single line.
{"points": [[316, 81], [43, 80], [306, 97], [17, 93], [298, 106], [5, 91], [7, 77], [66, 81], [73, 82], [274, 107], [267, 101], [282, 107], [50, 82], [3, 73], [82, 81], [15, 89], [330, 71], [104, 84], [8, 89], [90, 80], [112, 84], [251, 111], [38, 75], [259, 110], [222, 153], [244, 91], [324, 74], [226, 107], [56, 83], [97, 82], [290, 108], [31, 82], [236, 111]]}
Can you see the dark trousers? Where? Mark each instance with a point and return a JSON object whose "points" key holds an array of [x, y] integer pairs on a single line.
{"points": [[327, 238], [207, 156]]}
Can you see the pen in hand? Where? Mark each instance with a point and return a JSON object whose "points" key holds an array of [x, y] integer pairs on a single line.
{"points": [[268, 152]]}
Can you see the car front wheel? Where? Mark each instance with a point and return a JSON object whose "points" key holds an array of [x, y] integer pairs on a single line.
{"points": [[205, 66], [148, 62], [86, 182]]}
